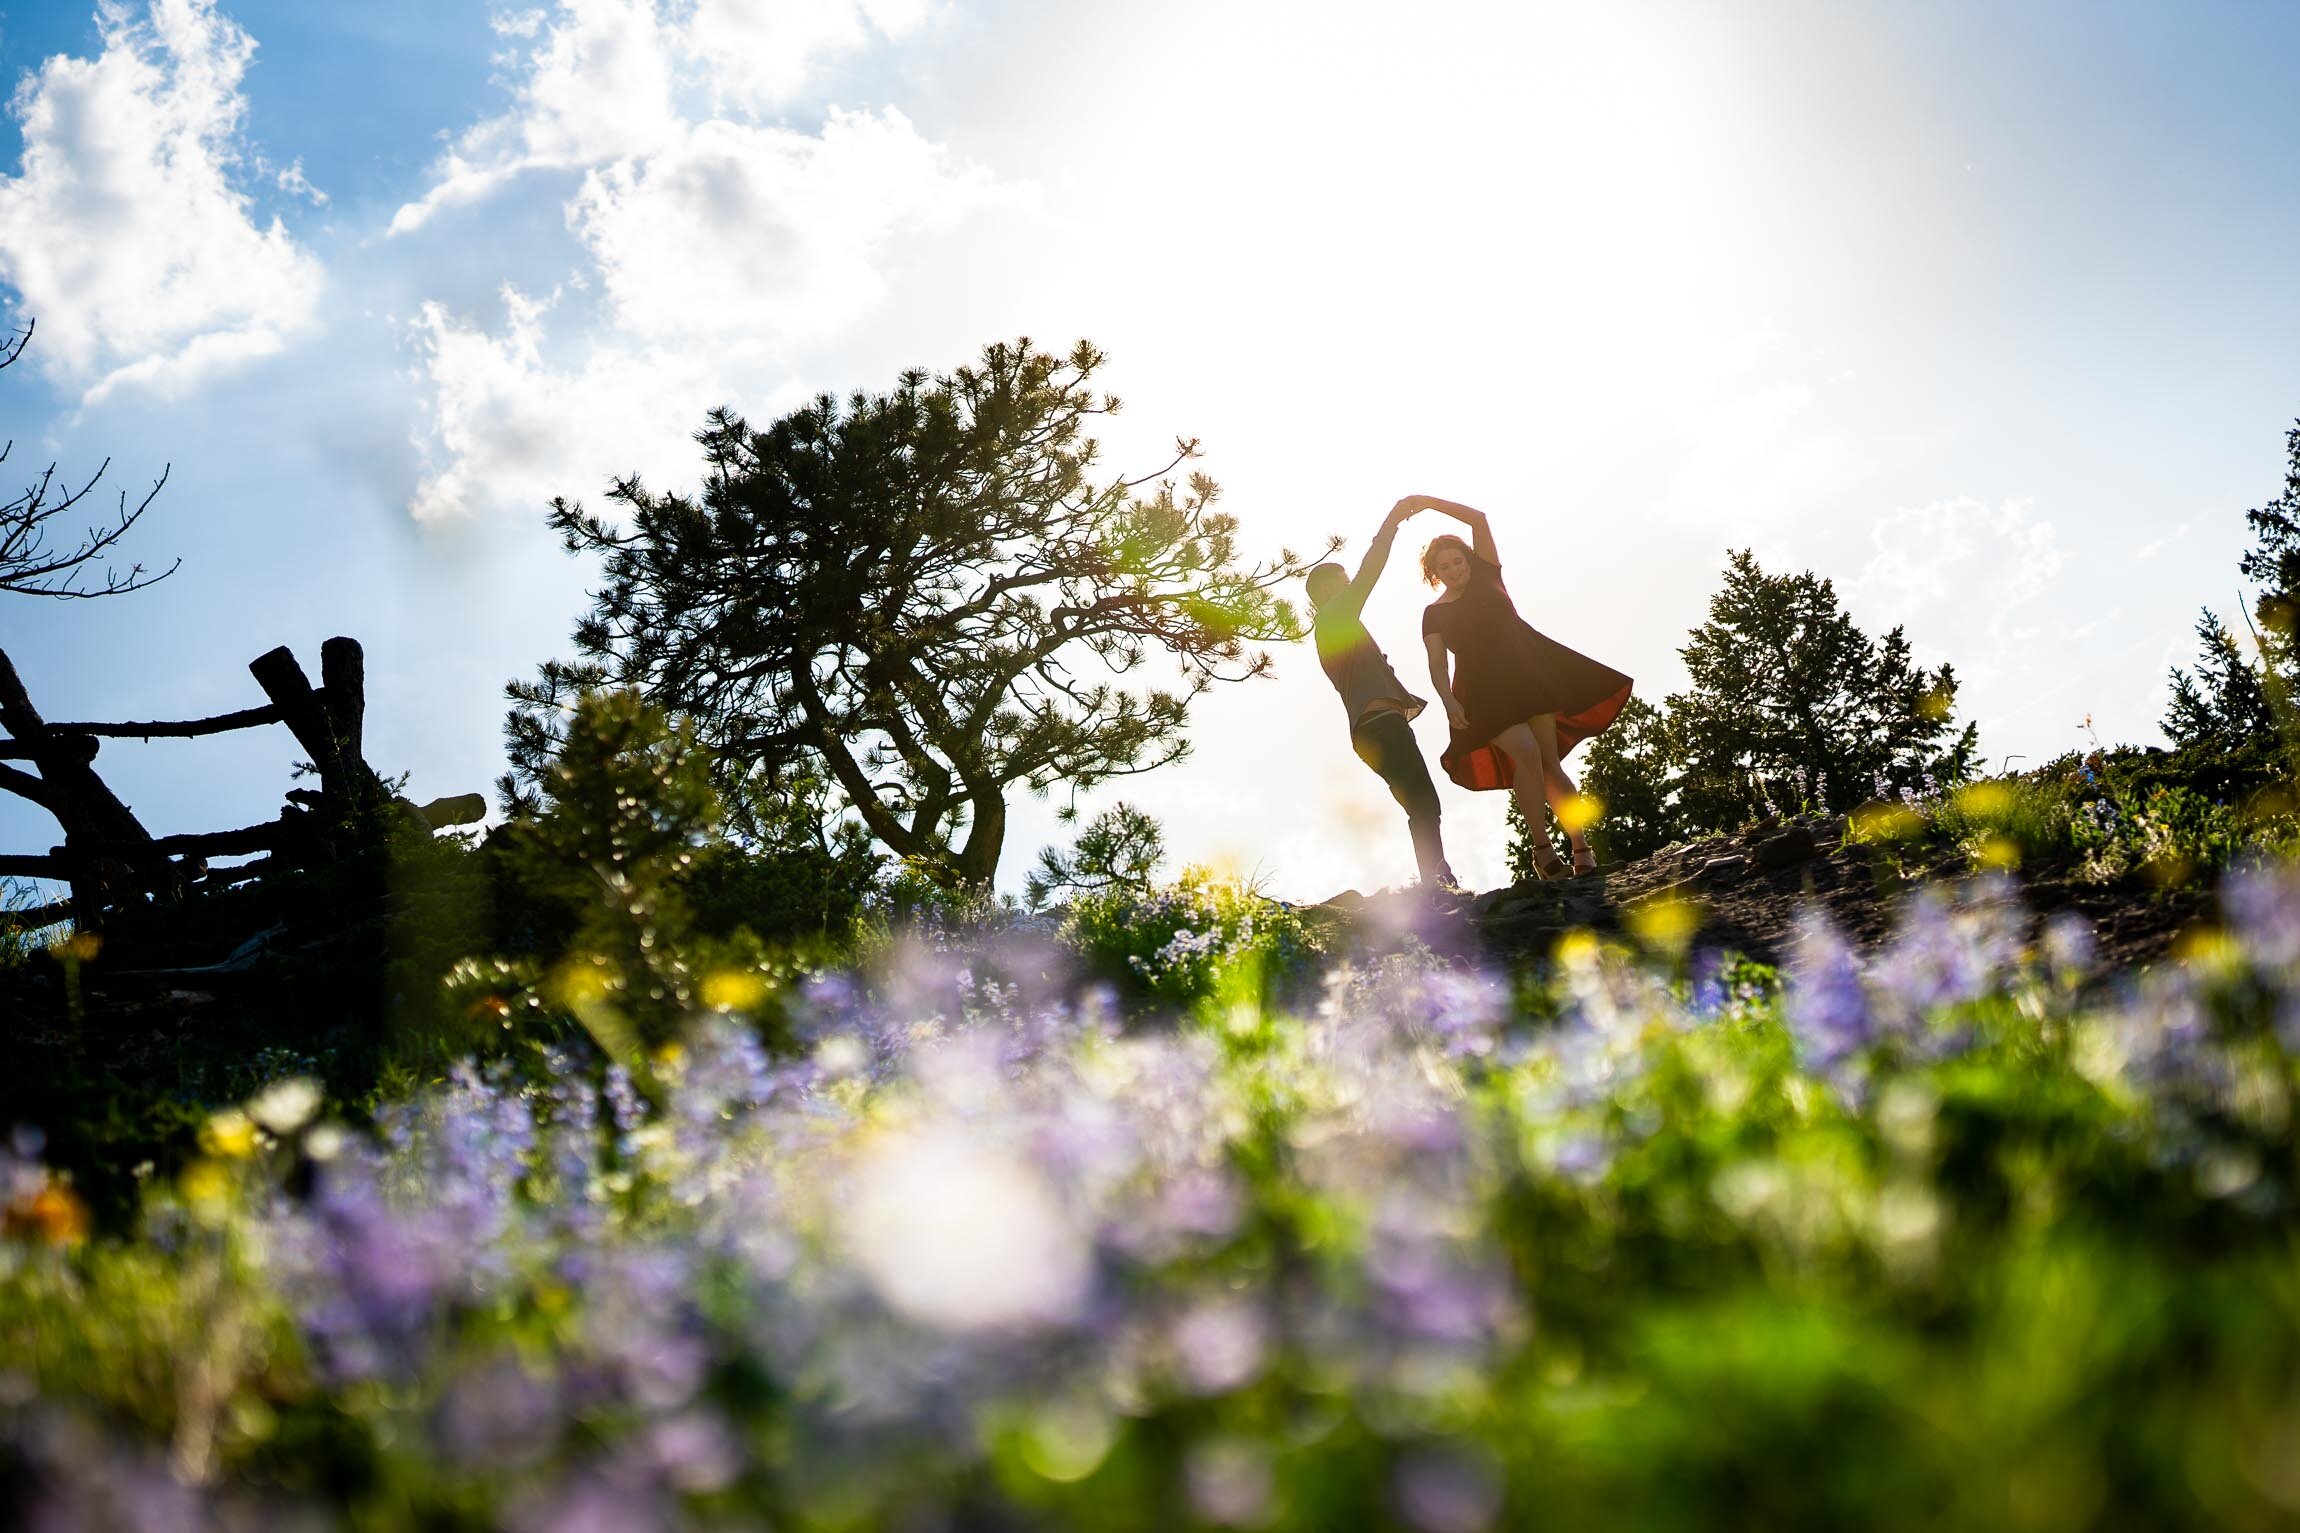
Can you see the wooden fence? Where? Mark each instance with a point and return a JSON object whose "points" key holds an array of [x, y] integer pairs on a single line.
{"points": [[107, 855]]}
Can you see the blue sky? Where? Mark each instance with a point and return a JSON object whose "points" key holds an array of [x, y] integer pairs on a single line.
{"points": [[360, 93], [1985, 312]]}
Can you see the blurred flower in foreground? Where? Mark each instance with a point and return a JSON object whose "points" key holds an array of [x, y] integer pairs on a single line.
{"points": [[1446, 1254], [2262, 903], [51, 1214], [230, 1133], [963, 1236], [1448, 1490], [1828, 1008], [285, 1106]]}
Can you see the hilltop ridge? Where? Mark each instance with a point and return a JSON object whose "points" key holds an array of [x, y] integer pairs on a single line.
{"points": [[1747, 891]]}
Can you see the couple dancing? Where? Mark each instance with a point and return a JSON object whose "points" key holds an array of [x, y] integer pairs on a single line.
{"points": [[1517, 700]]}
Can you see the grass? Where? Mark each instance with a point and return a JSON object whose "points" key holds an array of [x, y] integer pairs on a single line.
{"points": [[2102, 818]]}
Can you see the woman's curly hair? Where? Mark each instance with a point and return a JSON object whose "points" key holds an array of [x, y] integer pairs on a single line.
{"points": [[1444, 540]]}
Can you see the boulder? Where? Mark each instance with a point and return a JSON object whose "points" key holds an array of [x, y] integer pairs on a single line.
{"points": [[1786, 850]]}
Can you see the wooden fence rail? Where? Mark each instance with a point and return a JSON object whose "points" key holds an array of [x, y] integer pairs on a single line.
{"points": [[107, 856]]}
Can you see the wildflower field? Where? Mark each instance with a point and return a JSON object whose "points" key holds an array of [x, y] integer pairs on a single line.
{"points": [[964, 1236]]}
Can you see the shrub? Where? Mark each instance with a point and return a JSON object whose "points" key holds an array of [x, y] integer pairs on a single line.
{"points": [[2168, 818], [1119, 850], [807, 898], [1205, 940]]}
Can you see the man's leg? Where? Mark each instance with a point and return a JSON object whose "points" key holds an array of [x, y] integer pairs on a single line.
{"points": [[1386, 743]]}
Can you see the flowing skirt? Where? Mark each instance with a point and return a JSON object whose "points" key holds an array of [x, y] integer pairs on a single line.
{"points": [[1509, 683]]}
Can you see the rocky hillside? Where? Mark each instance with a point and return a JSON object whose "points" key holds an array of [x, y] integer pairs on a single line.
{"points": [[1747, 892]]}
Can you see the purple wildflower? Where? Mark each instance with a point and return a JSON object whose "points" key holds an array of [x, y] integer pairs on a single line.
{"points": [[1826, 1004]]}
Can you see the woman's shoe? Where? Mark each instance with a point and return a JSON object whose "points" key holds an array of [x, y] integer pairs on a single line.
{"points": [[1548, 865], [1584, 860]]}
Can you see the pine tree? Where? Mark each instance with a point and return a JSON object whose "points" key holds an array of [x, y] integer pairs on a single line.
{"points": [[1791, 705], [917, 601], [2231, 699], [1631, 770], [1119, 850], [2224, 704]]}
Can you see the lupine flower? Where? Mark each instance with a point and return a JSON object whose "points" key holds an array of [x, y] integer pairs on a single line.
{"points": [[2262, 903], [971, 1210], [1826, 1004]]}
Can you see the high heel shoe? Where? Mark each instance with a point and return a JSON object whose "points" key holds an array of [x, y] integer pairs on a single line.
{"points": [[1548, 865], [1584, 860]]}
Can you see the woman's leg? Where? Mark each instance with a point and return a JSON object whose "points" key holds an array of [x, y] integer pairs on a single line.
{"points": [[1556, 785], [1527, 784]]}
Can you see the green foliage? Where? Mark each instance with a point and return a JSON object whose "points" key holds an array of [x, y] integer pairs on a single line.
{"points": [[1789, 700], [617, 907], [2101, 818], [2224, 704], [1204, 941], [892, 603], [333, 968], [16, 944], [1628, 770], [1623, 1251], [2233, 699], [1789, 708], [2273, 561], [627, 808], [1118, 851], [803, 897], [917, 898]]}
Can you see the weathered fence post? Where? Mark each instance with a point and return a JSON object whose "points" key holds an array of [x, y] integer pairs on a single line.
{"points": [[343, 691], [103, 839], [106, 851], [309, 717]]}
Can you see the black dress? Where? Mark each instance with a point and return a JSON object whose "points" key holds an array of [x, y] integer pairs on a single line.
{"points": [[1505, 672]]}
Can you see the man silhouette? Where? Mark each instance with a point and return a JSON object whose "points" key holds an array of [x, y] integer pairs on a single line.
{"points": [[1381, 710]]}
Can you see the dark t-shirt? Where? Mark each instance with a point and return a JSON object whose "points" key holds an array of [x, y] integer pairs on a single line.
{"points": [[1354, 663]]}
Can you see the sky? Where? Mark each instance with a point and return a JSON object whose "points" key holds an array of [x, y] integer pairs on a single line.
{"points": [[1986, 313]]}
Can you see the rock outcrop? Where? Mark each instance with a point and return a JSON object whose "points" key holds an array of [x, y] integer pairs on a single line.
{"points": [[1746, 893]]}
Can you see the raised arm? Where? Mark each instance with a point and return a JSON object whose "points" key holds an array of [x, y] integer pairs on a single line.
{"points": [[1481, 531], [1378, 552]]}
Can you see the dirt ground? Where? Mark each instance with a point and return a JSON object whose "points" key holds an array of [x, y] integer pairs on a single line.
{"points": [[1748, 892]]}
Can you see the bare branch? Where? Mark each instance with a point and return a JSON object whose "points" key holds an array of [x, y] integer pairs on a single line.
{"points": [[27, 566]]}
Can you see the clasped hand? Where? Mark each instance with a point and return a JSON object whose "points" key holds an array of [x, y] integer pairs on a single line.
{"points": [[1407, 506]]}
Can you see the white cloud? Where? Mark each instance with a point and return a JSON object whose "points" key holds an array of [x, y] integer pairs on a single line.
{"points": [[606, 80], [293, 181], [127, 234], [1966, 556], [761, 235], [716, 243], [1754, 445], [2155, 546], [765, 54], [596, 84], [508, 431]]}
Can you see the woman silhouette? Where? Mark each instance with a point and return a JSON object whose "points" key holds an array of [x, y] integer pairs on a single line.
{"points": [[1517, 699]]}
